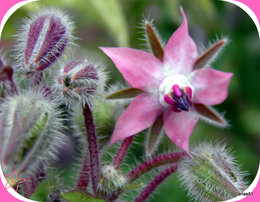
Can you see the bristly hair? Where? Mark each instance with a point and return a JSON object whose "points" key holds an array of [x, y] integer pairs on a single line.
{"points": [[225, 123], [216, 156], [203, 49], [22, 36], [72, 98], [142, 27], [40, 134]]}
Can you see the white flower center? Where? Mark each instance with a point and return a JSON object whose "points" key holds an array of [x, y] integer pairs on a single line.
{"points": [[167, 84]]}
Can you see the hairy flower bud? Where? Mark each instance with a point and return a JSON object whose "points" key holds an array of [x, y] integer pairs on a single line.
{"points": [[42, 39], [111, 180], [7, 86], [211, 173], [80, 82], [29, 132]]}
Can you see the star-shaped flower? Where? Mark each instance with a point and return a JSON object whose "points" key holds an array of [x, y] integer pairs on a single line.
{"points": [[175, 84], [13, 180]]}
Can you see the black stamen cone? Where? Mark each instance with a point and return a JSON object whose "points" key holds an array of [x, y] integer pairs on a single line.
{"points": [[181, 102]]}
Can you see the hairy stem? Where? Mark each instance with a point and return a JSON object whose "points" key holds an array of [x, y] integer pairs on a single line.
{"points": [[84, 175], [155, 182], [153, 163], [122, 151], [92, 146]]}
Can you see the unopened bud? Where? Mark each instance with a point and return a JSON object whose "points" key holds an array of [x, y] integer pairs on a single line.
{"points": [[111, 180], [80, 82], [211, 173], [42, 39], [7, 86], [29, 132]]}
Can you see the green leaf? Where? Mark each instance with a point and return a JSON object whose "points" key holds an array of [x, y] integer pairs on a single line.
{"points": [[75, 196], [45, 188], [126, 93]]}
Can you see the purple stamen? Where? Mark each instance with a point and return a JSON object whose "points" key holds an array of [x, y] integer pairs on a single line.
{"points": [[179, 98]]}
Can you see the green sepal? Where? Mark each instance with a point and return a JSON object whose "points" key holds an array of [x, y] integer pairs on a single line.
{"points": [[154, 42], [154, 136], [124, 94]]}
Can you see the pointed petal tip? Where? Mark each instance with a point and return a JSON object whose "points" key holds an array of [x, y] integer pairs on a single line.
{"points": [[179, 127], [112, 141], [183, 14], [103, 48]]}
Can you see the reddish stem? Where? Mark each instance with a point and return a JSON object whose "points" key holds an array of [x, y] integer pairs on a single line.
{"points": [[156, 181], [92, 146], [155, 162], [84, 175], [122, 151], [29, 186]]}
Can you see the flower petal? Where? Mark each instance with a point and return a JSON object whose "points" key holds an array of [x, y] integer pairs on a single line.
{"points": [[141, 69], [140, 114], [180, 51], [179, 126], [211, 86]]}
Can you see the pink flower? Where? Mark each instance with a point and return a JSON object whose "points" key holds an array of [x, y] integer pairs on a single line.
{"points": [[171, 87]]}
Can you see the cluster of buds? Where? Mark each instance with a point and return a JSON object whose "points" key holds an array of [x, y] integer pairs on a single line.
{"points": [[30, 132], [211, 174]]}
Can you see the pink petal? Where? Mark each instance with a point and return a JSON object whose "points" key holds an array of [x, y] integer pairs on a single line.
{"points": [[181, 51], [141, 69], [179, 126], [211, 86], [140, 114]]}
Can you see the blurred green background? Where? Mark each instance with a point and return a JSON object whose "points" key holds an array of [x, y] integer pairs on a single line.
{"points": [[117, 23]]}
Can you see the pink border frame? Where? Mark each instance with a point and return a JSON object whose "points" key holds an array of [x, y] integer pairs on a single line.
{"points": [[252, 7]]}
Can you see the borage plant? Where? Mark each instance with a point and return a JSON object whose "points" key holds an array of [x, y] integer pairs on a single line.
{"points": [[51, 96]]}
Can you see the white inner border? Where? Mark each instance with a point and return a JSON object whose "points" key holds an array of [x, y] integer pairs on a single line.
{"points": [[239, 4]]}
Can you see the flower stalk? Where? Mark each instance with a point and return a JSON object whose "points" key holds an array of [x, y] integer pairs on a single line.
{"points": [[92, 146], [84, 175], [154, 163], [122, 152], [156, 182]]}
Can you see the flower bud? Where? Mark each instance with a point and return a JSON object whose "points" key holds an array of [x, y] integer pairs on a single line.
{"points": [[111, 180], [211, 173], [7, 86], [29, 132], [42, 39], [80, 82]]}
